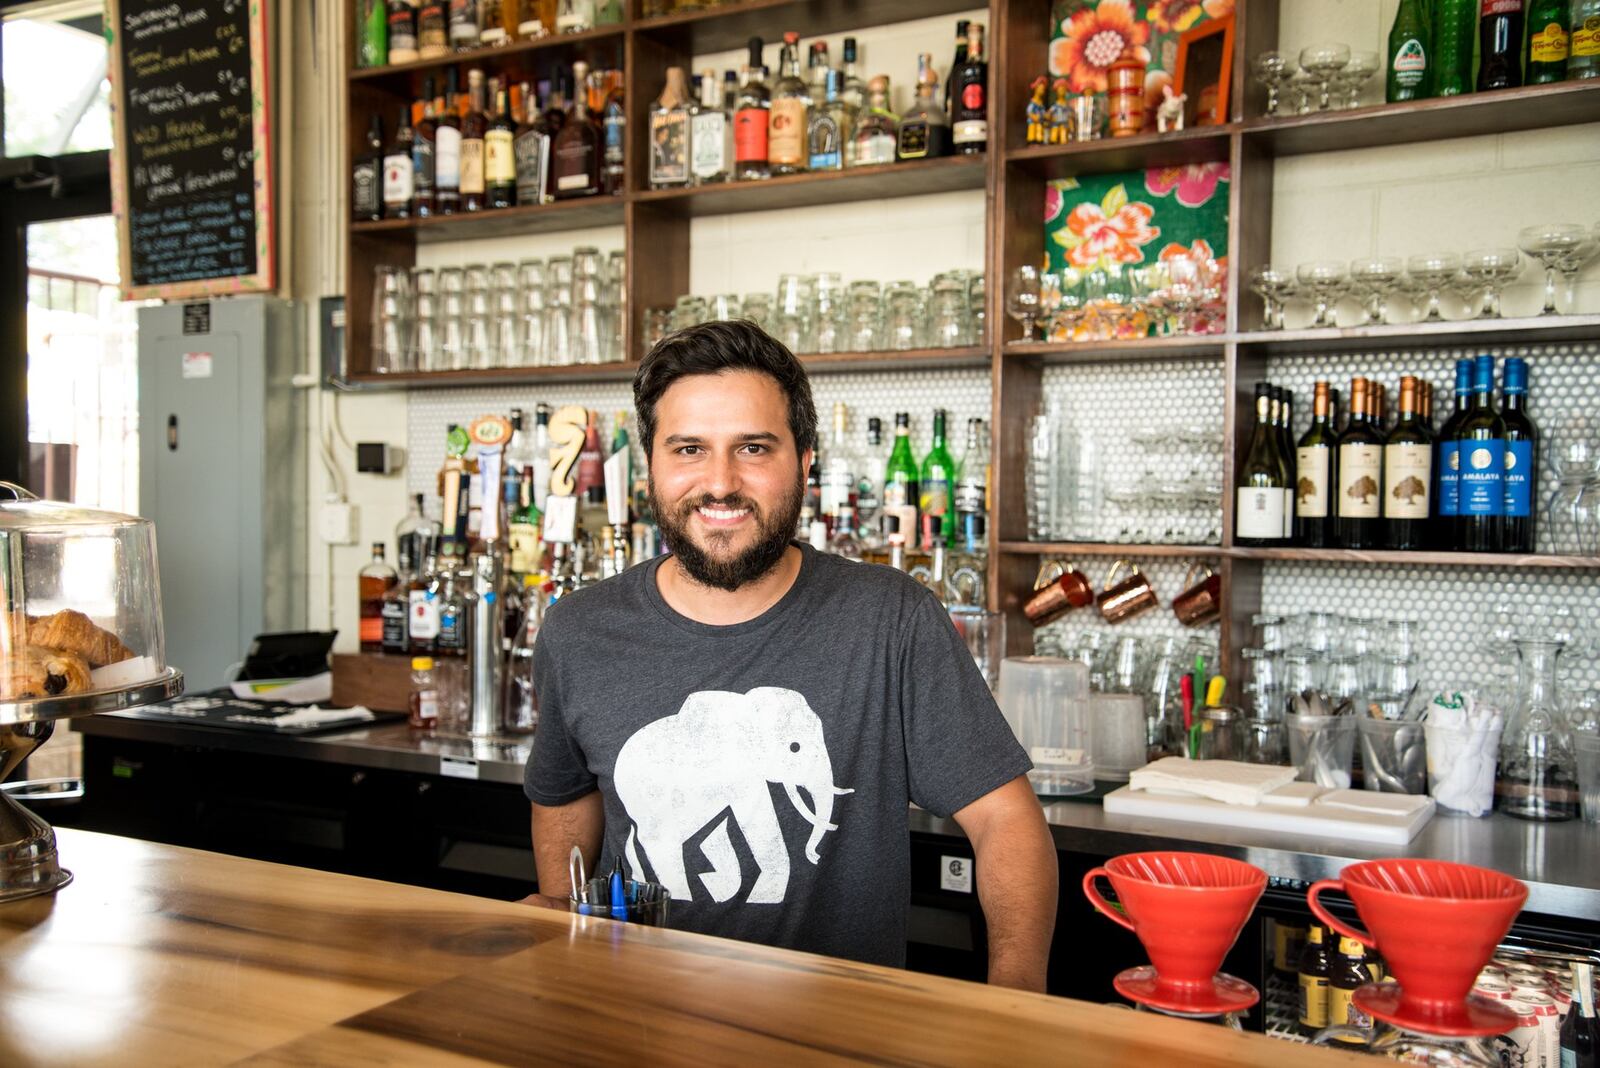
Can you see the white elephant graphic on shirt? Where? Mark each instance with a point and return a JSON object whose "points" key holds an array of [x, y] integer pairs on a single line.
{"points": [[715, 755]]}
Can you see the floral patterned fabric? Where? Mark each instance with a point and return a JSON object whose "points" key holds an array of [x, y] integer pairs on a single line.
{"points": [[1087, 36]]}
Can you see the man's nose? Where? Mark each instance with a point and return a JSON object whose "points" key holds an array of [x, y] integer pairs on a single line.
{"points": [[722, 476]]}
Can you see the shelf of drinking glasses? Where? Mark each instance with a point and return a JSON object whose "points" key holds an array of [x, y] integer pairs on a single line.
{"points": [[1419, 559], [1528, 330], [491, 376], [406, 77], [901, 360], [1531, 107], [1183, 346], [1088, 548], [889, 180], [719, 27], [576, 214], [1203, 144]]}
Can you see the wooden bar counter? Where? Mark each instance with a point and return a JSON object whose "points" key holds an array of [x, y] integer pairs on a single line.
{"points": [[157, 955]]}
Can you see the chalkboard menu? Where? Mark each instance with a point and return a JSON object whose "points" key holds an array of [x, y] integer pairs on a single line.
{"points": [[192, 175]]}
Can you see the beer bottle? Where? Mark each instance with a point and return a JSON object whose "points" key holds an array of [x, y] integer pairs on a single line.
{"points": [[1499, 44], [1315, 965], [1547, 41], [1349, 972], [1409, 46]]}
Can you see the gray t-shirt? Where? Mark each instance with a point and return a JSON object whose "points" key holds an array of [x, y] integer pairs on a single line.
{"points": [[761, 771]]}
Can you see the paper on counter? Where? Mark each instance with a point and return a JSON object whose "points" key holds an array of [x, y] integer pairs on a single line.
{"points": [[1374, 802], [1229, 781], [304, 691], [312, 716], [1294, 795]]}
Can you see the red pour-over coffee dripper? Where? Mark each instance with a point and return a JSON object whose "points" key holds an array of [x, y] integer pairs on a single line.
{"points": [[1187, 909], [1437, 924]]}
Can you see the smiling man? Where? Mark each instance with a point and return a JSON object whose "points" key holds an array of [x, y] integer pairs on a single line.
{"points": [[745, 720]]}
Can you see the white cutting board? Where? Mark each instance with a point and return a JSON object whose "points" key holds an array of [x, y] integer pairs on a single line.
{"points": [[1316, 820]]}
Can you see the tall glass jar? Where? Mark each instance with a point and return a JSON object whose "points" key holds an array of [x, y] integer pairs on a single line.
{"points": [[1538, 771]]}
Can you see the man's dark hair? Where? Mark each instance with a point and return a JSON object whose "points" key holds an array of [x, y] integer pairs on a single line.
{"points": [[712, 348]]}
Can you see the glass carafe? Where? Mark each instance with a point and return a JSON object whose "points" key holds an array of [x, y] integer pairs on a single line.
{"points": [[1538, 772]]}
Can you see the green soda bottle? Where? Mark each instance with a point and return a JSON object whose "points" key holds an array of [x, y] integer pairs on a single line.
{"points": [[1455, 25], [1409, 45]]}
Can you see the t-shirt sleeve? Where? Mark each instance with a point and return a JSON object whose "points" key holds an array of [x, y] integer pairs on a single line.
{"points": [[958, 745], [557, 772]]}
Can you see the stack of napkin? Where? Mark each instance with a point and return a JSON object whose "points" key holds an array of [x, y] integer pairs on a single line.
{"points": [[1229, 781]]}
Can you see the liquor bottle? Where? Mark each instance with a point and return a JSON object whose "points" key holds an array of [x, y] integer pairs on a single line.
{"points": [[811, 505], [924, 130], [817, 67], [541, 455], [900, 494], [373, 48], [730, 92], [575, 16], [531, 150], [1499, 44], [499, 156], [447, 148], [832, 126], [788, 114], [375, 580], [1454, 23], [966, 569], [854, 91], [1314, 475], [1584, 61], [1548, 41], [498, 21], [1263, 477], [1347, 975], [669, 134], [963, 27], [1519, 533], [613, 141], [402, 31], [397, 175], [1360, 468], [710, 135], [1315, 966], [591, 478], [463, 25], [750, 120], [969, 112], [394, 613], [839, 467], [844, 541], [1579, 1040], [1481, 455], [1447, 464], [522, 527], [414, 538], [575, 158], [895, 540], [474, 125], [1283, 422], [877, 131], [422, 627], [433, 35], [972, 477], [869, 484], [936, 482], [366, 177], [1407, 475], [1408, 55], [557, 105]]}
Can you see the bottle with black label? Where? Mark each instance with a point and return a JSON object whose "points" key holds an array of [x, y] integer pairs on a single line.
{"points": [[402, 31], [924, 130], [1315, 967], [1360, 466], [1481, 456], [366, 177], [397, 176], [1519, 533], [969, 98], [532, 150], [1315, 475], [1348, 974], [422, 154], [1407, 475]]}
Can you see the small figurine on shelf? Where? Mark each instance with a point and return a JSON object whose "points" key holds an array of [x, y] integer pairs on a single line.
{"points": [[1169, 116], [1060, 115], [1037, 113]]}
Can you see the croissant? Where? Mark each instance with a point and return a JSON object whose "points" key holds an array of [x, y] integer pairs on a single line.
{"points": [[74, 632], [38, 672]]}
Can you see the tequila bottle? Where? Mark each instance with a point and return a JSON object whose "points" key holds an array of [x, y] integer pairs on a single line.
{"points": [[710, 135], [875, 135], [789, 114], [669, 134], [832, 123], [750, 120], [925, 129]]}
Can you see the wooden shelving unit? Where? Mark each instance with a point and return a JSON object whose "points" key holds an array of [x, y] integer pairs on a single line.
{"points": [[655, 226]]}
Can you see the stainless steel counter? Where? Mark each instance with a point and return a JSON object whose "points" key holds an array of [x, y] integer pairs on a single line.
{"points": [[1560, 862]]}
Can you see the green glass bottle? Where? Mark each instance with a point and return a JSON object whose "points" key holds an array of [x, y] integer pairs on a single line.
{"points": [[1548, 41], [1455, 25], [937, 482], [1408, 55], [900, 496]]}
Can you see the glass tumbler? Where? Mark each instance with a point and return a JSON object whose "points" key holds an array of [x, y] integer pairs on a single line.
{"points": [[505, 320], [949, 314], [791, 316], [866, 317], [530, 336], [424, 346], [452, 319], [758, 309], [829, 312], [902, 315], [391, 300]]}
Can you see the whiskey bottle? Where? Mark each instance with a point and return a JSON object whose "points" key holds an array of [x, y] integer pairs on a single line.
{"points": [[374, 580], [422, 153], [789, 114], [876, 132], [669, 134], [447, 148], [969, 115], [499, 156], [614, 138], [575, 157], [493, 18], [397, 181], [962, 29], [832, 126], [433, 38], [463, 25], [532, 151], [710, 135], [402, 31], [473, 127], [750, 120], [366, 177], [924, 131]]}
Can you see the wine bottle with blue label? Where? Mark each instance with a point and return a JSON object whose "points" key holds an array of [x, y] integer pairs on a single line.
{"points": [[1522, 460], [1481, 466]]}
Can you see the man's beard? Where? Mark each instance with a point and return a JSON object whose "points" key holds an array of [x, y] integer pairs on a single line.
{"points": [[773, 535]]}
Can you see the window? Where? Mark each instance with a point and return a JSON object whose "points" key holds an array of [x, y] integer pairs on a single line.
{"points": [[57, 98]]}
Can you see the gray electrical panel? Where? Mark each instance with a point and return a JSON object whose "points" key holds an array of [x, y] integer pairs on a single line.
{"points": [[222, 435]]}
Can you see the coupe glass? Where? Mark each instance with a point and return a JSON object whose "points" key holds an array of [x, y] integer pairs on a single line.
{"points": [[1326, 280], [1274, 287], [1374, 281], [1022, 298], [1273, 70], [1302, 93], [1432, 272], [1552, 244], [1353, 75], [1488, 270], [1569, 265], [1063, 323], [1321, 63]]}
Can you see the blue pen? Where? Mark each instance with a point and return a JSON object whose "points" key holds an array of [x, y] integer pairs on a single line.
{"points": [[619, 897]]}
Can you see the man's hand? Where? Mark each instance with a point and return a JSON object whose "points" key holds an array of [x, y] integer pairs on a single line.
{"points": [[556, 829], [545, 901], [1017, 884]]}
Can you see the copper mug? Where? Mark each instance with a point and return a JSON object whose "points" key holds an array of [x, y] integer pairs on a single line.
{"points": [[1201, 603], [1057, 592], [1127, 598]]}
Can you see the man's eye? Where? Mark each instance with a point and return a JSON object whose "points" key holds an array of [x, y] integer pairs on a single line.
{"points": [[754, 449], [688, 450]]}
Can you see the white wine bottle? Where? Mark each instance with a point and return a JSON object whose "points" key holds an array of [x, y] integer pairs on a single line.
{"points": [[1263, 484]]}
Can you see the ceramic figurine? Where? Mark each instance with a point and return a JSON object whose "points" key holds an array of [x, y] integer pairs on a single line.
{"points": [[1169, 115], [1037, 113], [1060, 131]]}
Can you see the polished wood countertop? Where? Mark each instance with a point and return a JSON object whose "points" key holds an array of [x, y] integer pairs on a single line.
{"points": [[157, 955]]}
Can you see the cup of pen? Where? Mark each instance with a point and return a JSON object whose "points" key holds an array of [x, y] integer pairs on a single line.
{"points": [[642, 903]]}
